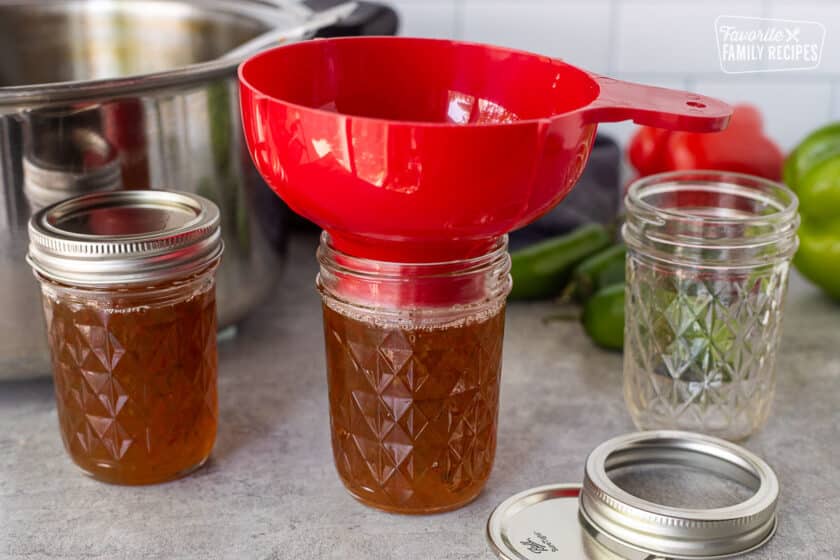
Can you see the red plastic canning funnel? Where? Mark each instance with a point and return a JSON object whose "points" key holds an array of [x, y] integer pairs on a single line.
{"points": [[424, 150]]}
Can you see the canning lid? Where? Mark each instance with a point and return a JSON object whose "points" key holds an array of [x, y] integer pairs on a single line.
{"points": [[599, 520], [124, 238]]}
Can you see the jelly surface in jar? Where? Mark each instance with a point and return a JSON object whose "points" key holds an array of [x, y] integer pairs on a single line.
{"points": [[414, 410], [135, 378]]}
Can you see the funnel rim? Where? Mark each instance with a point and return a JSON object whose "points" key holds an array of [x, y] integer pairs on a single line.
{"points": [[244, 82]]}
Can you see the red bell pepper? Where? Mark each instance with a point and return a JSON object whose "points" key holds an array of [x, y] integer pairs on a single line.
{"points": [[741, 147]]}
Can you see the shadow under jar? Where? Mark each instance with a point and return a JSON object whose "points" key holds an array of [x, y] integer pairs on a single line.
{"points": [[413, 365], [128, 286], [707, 268]]}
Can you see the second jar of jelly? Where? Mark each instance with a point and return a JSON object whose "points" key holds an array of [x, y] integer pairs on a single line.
{"points": [[128, 285], [413, 364]]}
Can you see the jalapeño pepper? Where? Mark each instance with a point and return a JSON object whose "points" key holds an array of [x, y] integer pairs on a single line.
{"points": [[598, 271], [541, 270], [603, 317]]}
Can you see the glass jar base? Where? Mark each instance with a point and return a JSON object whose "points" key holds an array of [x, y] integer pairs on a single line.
{"points": [[109, 475], [416, 510]]}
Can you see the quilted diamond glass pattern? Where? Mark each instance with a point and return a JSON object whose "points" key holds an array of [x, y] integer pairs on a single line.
{"points": [[135, 379], [413, 412], [700, 346]]}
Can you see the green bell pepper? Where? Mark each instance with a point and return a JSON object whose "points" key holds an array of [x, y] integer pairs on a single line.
{"points": [[821, 145], [813, 171]]}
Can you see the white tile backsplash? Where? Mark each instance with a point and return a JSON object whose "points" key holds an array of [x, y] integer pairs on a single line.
{"points": [[427, 18], [663, 42], [826, 13], [672, 36], [835, 101], [577, 31]]}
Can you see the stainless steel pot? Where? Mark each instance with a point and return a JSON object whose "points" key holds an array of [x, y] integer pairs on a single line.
{"points": [[137, 94]]}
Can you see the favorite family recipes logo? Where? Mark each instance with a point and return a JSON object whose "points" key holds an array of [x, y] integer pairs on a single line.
{"points": [[753, 44]]}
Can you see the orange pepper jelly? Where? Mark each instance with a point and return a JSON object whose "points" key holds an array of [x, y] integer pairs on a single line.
{"points": [[414, 382], [414, 411], [135, 379], [128, 284]]}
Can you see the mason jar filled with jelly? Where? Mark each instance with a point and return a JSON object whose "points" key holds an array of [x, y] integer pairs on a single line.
{"points": [[128, 289], [413, 354]]}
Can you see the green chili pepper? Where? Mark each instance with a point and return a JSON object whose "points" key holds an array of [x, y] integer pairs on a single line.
{"points": [[541, 270], [603, 317], [598, 271]]}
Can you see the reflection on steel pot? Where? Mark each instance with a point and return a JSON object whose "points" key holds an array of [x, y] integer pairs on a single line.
{"points": [[72, 160], [134, 94]]}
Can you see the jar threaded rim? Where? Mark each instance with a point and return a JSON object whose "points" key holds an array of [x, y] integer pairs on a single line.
{"points": [[711, 218]]}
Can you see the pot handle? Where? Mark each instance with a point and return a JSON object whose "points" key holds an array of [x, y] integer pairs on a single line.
{"points": [[276, 37], [656, 106], [369, 19]]}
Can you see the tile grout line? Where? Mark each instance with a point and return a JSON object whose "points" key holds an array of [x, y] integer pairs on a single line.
{"points": [[612, 40], [459, 15], [832, 101]]}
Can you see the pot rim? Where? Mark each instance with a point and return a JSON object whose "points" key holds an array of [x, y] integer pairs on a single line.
{"points": [[25, 96]]}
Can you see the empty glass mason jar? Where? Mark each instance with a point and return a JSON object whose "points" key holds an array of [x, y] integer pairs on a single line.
{"points": [[707, 270], [413, 366]]}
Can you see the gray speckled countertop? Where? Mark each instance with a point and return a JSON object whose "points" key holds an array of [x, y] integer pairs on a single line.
{"points": [[270, 490]]}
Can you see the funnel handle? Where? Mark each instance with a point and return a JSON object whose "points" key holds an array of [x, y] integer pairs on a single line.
{"points": [[656, 106]]}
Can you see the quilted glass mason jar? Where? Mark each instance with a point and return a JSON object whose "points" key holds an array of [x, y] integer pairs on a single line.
{"points": [[413, 357], [128, 286], [707, 270]]}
